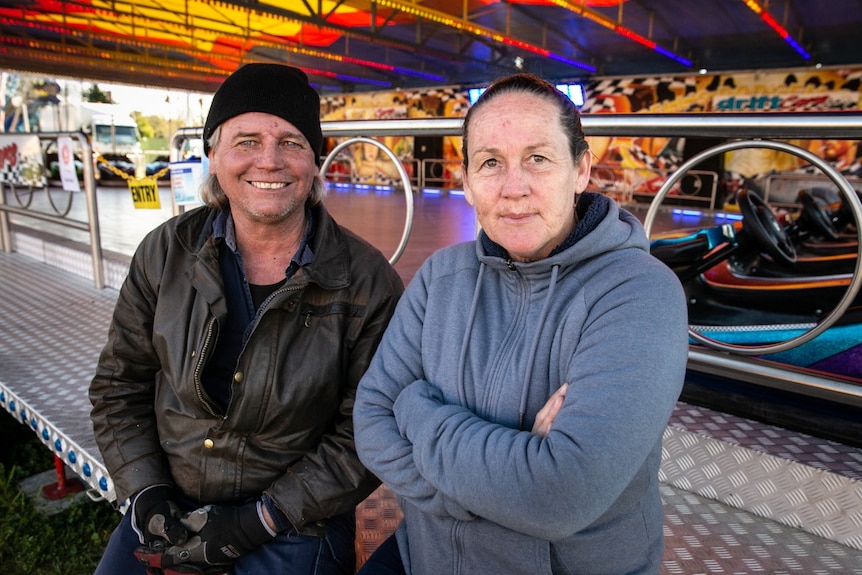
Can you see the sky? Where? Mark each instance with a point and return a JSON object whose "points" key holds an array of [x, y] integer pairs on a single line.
{"points": [[174, 104], [191, 107]]}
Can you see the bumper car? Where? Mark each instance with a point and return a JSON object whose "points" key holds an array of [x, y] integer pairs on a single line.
{"points": [[159, 167], [773, 299], [106, 171]]}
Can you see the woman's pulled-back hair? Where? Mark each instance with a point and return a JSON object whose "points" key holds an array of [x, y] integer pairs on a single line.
{"points": [[570, 118]]}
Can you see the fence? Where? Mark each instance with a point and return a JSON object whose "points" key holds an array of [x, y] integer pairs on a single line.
{"points": [[60, 216], [729, 126]]}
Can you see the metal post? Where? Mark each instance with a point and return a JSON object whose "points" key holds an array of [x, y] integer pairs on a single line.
{"points": [[5, 234], [92, 210]]}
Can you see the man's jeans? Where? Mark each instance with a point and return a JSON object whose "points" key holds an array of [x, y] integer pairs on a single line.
{"points": [[287, 553], [386, 560]]}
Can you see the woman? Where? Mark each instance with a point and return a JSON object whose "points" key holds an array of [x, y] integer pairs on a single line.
{"points": [[517, 402]]}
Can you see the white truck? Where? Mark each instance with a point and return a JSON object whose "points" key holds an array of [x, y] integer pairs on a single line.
{"points": [[113, 132]]}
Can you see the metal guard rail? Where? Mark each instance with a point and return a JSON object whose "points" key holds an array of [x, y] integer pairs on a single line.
{"points": [[818, 125], [91, 225]]}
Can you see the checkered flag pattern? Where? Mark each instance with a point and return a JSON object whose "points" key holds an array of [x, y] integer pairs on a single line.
{"points": [[24, 171], [601, 95]]}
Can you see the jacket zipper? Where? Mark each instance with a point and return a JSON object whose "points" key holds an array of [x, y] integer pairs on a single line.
{"points": [[208, 340], [199, 391], [272, 296]]}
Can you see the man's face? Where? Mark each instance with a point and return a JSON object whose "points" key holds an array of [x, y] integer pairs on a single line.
{"points": [[834, 149], [521, 177], [265, 166]]}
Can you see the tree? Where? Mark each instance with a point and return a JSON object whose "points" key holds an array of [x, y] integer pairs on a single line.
{"points": [[144, 126], [159, 126], [95, 94]]}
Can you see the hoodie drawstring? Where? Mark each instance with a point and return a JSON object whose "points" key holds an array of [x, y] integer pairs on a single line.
{"points": [[522, 407], [465, 343], [462, 388]]}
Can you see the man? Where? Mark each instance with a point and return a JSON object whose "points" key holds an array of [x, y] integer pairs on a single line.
{"points": [[222, 401]]}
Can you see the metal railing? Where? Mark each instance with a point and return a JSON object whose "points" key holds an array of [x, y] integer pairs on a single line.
{"points": [[625, 184], [826, 125], [91, 225], [819, 125], [782, 189]]}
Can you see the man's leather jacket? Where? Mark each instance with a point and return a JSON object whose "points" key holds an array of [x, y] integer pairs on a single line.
{"points": [[287, 430]]}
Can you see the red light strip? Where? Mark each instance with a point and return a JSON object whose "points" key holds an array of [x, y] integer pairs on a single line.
{"points": [[778, 28], [461, 24], [636, 37], [581, 10]]}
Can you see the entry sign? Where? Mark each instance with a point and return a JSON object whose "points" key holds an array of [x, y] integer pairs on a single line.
{"points": [[68, 175], [145, 193]]}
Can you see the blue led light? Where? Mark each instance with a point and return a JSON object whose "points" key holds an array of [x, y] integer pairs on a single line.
{"points": [[685, 212]]}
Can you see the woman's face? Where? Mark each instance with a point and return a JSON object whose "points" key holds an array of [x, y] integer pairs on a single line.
{"points": [[521, 177]]}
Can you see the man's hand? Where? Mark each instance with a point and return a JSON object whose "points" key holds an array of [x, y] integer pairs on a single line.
{"points": [[221, 534], [151, 559], [157, 516], [546, 416]]}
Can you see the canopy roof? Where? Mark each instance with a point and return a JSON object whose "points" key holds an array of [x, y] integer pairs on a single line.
{"points": [[360, 45]]}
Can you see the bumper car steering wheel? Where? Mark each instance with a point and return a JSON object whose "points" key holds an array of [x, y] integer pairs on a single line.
{"points": [[763, 222], [760, 223], [818, 216]]}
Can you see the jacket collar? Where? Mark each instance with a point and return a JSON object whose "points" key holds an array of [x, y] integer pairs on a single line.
{"points": [[331, 266]]}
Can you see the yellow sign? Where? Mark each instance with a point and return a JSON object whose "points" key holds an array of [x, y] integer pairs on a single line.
{"points": [[145, 193]]}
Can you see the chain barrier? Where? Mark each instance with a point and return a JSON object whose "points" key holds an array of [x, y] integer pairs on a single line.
{"points": [[145, 191], [124, 175]]}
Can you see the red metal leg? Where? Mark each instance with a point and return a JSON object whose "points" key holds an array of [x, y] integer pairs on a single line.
{"points": [[63, 486]]}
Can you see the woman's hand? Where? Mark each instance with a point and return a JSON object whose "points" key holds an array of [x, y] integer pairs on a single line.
{"points": [[545, 417]]}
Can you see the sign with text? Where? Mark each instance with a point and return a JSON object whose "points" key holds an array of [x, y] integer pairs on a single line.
{"points": [[799, 102], [186, 179], [145, 193], [66, 160]]}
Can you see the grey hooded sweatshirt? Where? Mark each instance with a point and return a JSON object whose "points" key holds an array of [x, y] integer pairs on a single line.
{"points": [[477, 345]]}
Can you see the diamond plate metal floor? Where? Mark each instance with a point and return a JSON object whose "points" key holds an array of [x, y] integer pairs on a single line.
{"points": [[54, 326], [740, 496]]}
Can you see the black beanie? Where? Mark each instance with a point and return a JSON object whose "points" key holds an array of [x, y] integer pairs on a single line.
{"points": [[275, 89]]}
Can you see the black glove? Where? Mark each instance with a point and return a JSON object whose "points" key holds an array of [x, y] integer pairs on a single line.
{"points": [[157, 516], [151, 559], [222, 534]]}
